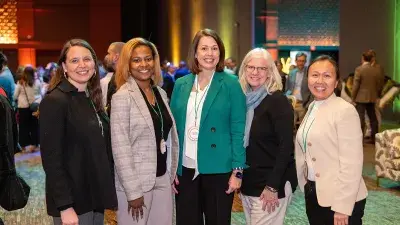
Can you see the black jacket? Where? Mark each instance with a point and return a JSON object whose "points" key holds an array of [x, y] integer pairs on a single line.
{"points": [[270, 154], [77, 159]]}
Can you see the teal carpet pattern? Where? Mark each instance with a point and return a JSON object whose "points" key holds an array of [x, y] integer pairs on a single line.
{"points": [[383, 207]]}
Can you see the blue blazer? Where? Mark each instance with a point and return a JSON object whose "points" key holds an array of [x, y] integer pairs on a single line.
{"points": [[223, 118]]}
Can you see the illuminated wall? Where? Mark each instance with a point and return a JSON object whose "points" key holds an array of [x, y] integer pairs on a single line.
{"points": [[175, 29], [226, 20], [8, 22], [197, 16], [396, 74]]}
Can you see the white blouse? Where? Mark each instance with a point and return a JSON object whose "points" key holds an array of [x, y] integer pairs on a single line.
{"points": [[302, 134], [189, 159]]}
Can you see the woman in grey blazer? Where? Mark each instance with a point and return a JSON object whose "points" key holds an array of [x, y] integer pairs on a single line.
{"points": [[144, 138]]}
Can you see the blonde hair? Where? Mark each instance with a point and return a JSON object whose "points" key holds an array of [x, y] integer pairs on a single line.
{"points": [[122, 71], [274, 82]]}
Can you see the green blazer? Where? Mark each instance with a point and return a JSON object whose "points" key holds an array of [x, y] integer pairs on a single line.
{"points": [[223, 118]]}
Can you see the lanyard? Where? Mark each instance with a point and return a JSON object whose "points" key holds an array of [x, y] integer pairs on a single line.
{"points": [[197, 106], [159, 113], [308, 130], [98, 117]]}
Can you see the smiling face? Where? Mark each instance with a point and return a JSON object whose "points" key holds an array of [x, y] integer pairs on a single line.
{"points": [[257, 72], [207, 53], [322, 79], [79, 65], [142, 63]]}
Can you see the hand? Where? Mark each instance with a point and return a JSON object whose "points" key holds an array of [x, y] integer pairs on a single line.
{"points": [[135, 207], [174, 184], [340, 219], [69, 217], [269, 200], [234, 183]]}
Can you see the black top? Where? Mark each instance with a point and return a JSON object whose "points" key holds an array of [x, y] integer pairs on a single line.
{"points": [[161, 158], [270, 154], [77, 159]]}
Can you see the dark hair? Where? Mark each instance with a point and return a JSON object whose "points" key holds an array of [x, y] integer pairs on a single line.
{"points": [[277, 62], [326, 58], [28, 75], [93, 85], [193, 64], [3, 60], [367, 56], [300, 54]]}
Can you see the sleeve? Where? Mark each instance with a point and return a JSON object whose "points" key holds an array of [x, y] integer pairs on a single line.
{"points": [[238, 121], [349, 135], [53, 112], [356, 84], [289, 84], [282, 119], [126, 168]]}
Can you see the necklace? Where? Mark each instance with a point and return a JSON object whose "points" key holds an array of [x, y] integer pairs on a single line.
{"points": [[159, 115], [97, 115]]}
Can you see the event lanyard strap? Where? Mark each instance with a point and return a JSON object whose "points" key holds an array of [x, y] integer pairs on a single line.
{"points": [[159, 113], [308, 130], [197, 106]]}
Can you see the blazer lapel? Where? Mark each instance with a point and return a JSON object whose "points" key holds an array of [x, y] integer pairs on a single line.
{"points": [[212, 93], [184, 95], [137, 96]]}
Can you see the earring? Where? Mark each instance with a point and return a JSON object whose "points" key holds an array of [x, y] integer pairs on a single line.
{"points": [[94, 74], [65, 74]]}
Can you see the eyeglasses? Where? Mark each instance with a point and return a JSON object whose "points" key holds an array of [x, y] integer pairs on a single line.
{"points": [[261, 69]]}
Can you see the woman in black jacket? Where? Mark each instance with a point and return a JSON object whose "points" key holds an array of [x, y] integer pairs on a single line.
{"points": [[270, 179], [75, 141]]}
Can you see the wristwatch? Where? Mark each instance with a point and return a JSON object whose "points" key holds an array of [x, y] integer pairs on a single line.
{"points": [[239, 175]]}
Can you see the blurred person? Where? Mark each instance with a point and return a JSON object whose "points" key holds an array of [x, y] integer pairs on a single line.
{"points": [[75, 141], [110, 61], [367, 88], [270, 179], [283, 75], [329, 152], [230, 65], [182, 70], [210, 111], [6, 78], [141, 126], [169, 80], [26, 93]]}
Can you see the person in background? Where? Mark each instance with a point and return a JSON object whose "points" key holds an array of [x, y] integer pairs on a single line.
{"points": [[283, 75], [183, 70], [270, 179], [75, 141], [110, 62], [6, 78], [141, 127], [26, 93], [169, 80], [329, 152], [210, 111], [367, 88]]}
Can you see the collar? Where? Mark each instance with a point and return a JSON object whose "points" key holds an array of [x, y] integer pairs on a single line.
{"points": [[66, 86]]}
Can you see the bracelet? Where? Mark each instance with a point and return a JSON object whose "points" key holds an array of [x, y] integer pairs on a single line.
{"points": [[273, 190], [238, 168]]}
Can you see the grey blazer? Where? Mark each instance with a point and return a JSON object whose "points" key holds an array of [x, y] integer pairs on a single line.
{"points": [[134, 142]]}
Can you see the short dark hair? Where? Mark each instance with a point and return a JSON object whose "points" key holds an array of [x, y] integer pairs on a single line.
{"points": [[367, 56], [329, 59], [3, 60], [192, 61], [300, 54]]}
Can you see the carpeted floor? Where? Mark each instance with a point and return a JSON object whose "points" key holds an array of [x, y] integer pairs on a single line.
{"points": [[383, 203]]}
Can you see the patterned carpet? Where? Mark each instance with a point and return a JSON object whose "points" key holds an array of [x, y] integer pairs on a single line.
{"points": [[383, 203]]}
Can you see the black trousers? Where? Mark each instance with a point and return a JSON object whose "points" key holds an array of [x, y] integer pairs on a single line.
{"points": [[318, 215], [370, 108], [203, 195], [28, 128]]}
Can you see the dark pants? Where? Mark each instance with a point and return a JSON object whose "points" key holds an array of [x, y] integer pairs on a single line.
{"points": [[206, 194], [28, 128], [318, 215], [370, 108]]}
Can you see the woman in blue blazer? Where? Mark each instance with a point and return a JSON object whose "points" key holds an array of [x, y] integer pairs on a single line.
{"points": [[210, 112]]}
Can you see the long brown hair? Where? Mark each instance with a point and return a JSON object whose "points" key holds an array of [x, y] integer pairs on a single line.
{"points": [[122, 74], [193, 64], [93, 85], [28, 75]]}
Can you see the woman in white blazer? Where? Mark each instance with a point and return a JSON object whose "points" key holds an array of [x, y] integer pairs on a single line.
{"points": [[329, 152], [141, 124]]}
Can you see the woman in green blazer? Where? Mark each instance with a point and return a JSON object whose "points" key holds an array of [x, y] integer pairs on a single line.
{"points": [[210, 112]]}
